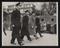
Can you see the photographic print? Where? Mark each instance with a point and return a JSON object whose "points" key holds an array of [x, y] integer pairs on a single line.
{"points": [[29, 23]]}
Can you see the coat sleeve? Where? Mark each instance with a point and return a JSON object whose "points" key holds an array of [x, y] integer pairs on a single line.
{"points": [[12, 18]]}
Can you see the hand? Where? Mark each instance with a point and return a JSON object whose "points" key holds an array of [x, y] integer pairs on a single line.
{"points": [[13, 25], [32, 26]]}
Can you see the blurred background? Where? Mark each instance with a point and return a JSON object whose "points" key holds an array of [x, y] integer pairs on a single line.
{"points": [[45, 10]]}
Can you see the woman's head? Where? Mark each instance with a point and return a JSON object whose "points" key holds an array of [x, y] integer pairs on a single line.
{"points": [[27, 12]]}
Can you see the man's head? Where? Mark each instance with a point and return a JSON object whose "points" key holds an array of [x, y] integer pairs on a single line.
{"points": [[18, 6]]}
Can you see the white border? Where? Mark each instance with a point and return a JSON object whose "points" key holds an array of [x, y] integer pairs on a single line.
{"points": [[57, 19], [2, 19]]}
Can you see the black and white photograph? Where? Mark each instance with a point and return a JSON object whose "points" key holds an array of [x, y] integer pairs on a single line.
{"points": [[29, 23]]}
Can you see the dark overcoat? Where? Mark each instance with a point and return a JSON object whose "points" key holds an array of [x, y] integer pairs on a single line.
{"points": [[15, 18], [24, 30], [32, 25]]}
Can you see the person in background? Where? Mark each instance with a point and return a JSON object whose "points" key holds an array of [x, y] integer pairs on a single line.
{"points": [[16, 25], [55, 29], [44, 26], [48, 27], [4, 30], [38, 26], [32, 30]]}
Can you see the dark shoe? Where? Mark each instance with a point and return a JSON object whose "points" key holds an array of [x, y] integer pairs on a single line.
{"points": [[36, 38], [21, 44], [30, 39], [41, 36], [13, 43]]}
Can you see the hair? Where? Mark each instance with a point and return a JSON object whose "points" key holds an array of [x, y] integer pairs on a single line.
{"points": [[26, 11]]}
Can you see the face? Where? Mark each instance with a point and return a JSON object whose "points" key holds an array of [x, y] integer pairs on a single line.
{"points": [[33, 14]]}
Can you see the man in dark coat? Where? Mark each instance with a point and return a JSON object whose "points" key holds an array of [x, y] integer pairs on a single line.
{"points": [[38, 27], [15, 21], [25, 28]]}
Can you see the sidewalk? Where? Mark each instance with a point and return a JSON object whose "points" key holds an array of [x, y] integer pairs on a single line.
{"points": [[46, 40]]}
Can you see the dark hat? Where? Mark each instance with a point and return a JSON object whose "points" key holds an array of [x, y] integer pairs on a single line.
{"points": [[18, 4], [27, 11]]}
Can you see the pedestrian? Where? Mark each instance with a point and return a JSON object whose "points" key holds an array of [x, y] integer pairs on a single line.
{"points": [[55, 28], [44, 26], [25, 30], [5, 14], [48, 27], [4, 27], [38, 26], [32, 30], [16, 25]]}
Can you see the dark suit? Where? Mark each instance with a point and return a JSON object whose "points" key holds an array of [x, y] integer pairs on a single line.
{"points": [[15, 20], [38, 26], [24, 30]]}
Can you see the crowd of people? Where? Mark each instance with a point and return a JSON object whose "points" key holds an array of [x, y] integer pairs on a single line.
{"points": [[26, 25]]}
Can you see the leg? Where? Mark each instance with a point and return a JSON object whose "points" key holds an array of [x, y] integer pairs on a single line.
{"points": [[19, 37], [13, 35], [28, 36], [4, 31], [13, 38], [19, 40], [38, 30], [22, 34], [22, 37], [36, 36], [40, 34]]}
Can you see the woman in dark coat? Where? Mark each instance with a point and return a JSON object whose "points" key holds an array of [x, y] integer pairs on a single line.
{"points": [[25, 30], [32, 30]]}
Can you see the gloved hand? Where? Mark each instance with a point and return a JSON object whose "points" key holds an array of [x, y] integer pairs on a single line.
{"points": [[13, 25], [32, 26]]}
